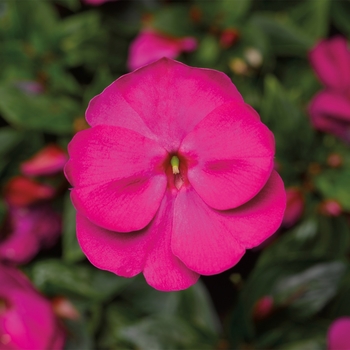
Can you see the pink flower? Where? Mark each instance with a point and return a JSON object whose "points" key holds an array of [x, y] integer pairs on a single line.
{"points": [[27, 230], [338, 336], [330, 108], [295, 206], [150, 46], [49, 160], [27, 320], [175, 178]]}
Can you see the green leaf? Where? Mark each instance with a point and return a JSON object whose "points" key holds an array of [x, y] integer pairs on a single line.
{"points": [[78, 336], [71, 251], [313, 17], [162, 333], [334, 184], [102, 79], [53, 114], [54, 277], [285, 37], [167, 20], [340, 16], [9, 139], [70, 4], [208, 52], [294, 136], [310, 290]]}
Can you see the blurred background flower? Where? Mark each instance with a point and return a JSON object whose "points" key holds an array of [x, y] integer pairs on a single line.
{"points": [[27, 320]]}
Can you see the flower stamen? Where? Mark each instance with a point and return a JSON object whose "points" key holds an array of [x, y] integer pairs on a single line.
{"points": [[175, 162]]}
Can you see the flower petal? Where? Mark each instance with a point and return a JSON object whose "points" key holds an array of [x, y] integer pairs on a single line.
{"points": [[118, 177], [163, 270], [151, 45], [200, 238], [330, 112], [210, 241], [129, 254], [162, 95], [331, 61], [230, 156], [121, 253]]}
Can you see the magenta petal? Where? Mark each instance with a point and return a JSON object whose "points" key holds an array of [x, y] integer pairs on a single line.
{"points": [[209, 241], [331, 61], [159, 98], [22, 244], [28, 322], [115, 172], [200, 236], [330, 112], [163, 270], [258, 219], [338, 335], [118, 252], [150, 46], [129, 254], [230, 156]]}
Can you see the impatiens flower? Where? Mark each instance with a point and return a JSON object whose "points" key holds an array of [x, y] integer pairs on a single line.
{"points": [[22, 191], [175, 176], [295, 206], [50, 160], [338, 336], [27, 320], [330, 108], [150, 46], [26, 231]]}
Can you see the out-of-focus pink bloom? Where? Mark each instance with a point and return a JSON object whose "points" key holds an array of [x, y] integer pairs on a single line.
{"points": [[22, 191], [229, 37], [27, 320], [295, 206], [150, 46], [330, 108], [263, 308], [96, 2], [64, 308], [30, 87], [174, 178], [330, 207], [27, 230], [338, 335], [50, 160]]}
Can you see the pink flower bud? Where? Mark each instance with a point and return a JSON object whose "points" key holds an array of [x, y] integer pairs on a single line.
{"points": [[263, 308], [49, 160], [229, 37], [330, 207], [151, 45], [22, 191]]}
